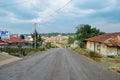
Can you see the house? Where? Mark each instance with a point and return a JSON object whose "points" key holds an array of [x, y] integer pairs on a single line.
{"points": [[3, 43], [106, 44], [15, 41], [29, 39]]}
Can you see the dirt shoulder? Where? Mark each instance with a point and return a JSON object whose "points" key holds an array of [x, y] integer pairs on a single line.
{"points": [[5, 58]]}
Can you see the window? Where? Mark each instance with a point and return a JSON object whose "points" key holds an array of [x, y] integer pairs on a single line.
{"points": [[97, 46]]}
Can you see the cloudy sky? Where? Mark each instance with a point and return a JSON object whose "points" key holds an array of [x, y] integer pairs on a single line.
{"points": [[19, 16]]}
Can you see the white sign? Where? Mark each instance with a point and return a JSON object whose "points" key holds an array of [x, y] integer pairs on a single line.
{"points": [[4, 35]]}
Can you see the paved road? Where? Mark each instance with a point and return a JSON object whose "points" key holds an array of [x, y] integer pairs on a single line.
{"points": [[55, 64]]}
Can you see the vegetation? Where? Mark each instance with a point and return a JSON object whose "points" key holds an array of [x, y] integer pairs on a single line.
{"points": [[22, 36], [10, 50], [55, 34], [85, 52], [48, 45], [85, 31], [37, 40], [19, 51], [42, 48], [111, 56], [70, 40], [53, 46], [110, 62]]}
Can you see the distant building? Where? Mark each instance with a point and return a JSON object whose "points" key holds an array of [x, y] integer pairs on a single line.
{"points": [[54, 38], [15, 41], [29, 39], [106, 44], [4, 35], [3, 43]]}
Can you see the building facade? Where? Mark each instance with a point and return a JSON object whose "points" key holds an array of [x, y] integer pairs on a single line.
{"points": [[106, 44]]}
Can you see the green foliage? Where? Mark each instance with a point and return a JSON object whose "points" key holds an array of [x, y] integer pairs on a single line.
{"points": [[85, 31], [22, 36], [92, 54], [55, 34], [53, 46], [36, 39], [16, 51], [70, 40], [10, 50], [48, 45], [111, 56], [42, 48], [87, 52]]}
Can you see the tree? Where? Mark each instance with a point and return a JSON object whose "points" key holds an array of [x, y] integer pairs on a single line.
{"points": [[85, 31], [22, 36], [37, 40], [70, 40]]}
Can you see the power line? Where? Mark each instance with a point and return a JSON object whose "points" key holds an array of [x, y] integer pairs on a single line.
{"points": [[57, 10], [12, 4], [63, 6]]}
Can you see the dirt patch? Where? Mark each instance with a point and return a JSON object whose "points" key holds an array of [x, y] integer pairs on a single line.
{"points": [[9, 60]]}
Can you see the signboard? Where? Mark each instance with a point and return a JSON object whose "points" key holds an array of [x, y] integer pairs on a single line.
{"points": [[4, 35]]}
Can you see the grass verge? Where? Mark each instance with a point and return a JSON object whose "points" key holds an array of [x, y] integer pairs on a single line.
{"points": [[110, 63]]}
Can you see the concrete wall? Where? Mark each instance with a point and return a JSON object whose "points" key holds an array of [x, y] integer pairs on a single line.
{"points": [[102, 49], [90, 46], [112, 51]]}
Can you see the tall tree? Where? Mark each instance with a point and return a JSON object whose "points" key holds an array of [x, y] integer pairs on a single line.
{"points": [[85, 31], [37, 40]]}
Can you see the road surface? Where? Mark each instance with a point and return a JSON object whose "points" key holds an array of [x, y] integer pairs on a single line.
{"points": [[56, 64]]}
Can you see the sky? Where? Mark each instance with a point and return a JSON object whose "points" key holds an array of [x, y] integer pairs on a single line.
{"points": [[19, 16]]}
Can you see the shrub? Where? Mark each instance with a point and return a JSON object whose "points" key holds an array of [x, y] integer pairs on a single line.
{"points": [[42, 48], [48, 45], [53, 46], [92, 54], [111, 56]]}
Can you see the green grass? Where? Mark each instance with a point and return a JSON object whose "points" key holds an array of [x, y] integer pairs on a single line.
{"points": [[16, 51], [109, 62], [42, 48], [53, 46], [86, 52]]}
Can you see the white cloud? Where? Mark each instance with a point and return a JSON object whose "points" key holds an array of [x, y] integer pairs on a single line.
{"points": [[105, 26]]}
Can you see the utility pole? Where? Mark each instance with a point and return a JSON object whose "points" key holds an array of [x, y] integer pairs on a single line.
{"points": [[35, 36]]}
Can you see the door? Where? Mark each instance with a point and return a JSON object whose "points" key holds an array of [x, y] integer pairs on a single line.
{"points": [[118, 51]]}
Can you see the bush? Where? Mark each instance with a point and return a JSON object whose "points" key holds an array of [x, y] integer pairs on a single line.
{"points": [[10, 50], [53, 46], [92, 54], [42, 48], [111, 56], [48, 45]]}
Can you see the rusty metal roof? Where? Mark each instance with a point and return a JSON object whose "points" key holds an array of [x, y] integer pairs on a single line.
{"points": [[110, 39]]}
